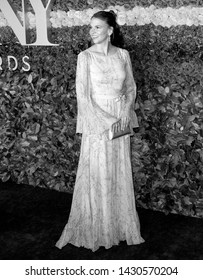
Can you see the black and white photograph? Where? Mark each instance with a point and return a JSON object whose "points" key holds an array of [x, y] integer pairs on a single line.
{"points": [[101, 134]]}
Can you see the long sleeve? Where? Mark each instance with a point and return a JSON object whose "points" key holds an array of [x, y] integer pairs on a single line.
{"points": [[81, 90], [91, 119], [130, 90]]}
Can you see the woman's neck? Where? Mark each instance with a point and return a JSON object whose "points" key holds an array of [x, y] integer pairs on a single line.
{"points": [[104, 48]]}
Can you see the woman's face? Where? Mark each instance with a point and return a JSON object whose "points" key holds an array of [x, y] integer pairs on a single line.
{"points": [[100, 30]]}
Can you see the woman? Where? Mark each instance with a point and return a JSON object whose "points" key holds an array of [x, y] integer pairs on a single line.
{"points": [[103, 208]]}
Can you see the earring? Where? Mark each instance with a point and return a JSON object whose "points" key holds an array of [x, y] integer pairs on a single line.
{"points": [[109, 38]]}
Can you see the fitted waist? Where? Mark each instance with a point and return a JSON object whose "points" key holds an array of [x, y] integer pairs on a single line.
{"points": [[110, 94]]}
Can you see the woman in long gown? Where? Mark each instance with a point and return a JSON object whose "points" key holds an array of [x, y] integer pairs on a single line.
{"points": [[103, 210]]}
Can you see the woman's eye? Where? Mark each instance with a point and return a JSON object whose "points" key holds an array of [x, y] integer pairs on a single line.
{"points": [[94, 28]]}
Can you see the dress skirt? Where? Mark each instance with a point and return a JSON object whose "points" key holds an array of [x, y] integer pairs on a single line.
{"points": [[103, 210]]}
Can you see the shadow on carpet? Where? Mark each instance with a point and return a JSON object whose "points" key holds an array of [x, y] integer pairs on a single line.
{"points": [[32, 219]]}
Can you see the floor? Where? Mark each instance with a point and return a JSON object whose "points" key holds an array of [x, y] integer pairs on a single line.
{"points": [[32, 219]]}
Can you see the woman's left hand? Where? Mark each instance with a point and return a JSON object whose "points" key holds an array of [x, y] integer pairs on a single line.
{"points": [[124, 121]]}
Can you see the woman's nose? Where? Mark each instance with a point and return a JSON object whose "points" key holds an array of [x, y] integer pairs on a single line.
{"points": [[92, 31]]}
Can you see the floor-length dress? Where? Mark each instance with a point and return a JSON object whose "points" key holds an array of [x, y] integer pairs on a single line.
{"points": [[103, 210]]}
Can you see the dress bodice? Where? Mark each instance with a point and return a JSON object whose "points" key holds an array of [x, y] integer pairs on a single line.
{"points": [[107, 74], [106, 77]]}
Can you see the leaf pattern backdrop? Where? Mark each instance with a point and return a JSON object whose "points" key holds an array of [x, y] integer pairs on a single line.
{"points": [[38, 144]]}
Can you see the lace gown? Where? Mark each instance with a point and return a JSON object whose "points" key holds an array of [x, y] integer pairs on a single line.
{"points": [[103, 210]]}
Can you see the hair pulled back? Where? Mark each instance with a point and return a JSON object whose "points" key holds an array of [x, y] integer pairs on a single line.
{"points": [[110, 19]]}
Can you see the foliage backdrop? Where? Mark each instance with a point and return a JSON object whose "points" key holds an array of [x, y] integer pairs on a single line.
{"points": [[38, 144]]}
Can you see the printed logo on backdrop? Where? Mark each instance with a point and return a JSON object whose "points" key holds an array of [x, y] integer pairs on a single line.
{"points": [[21, 28]]}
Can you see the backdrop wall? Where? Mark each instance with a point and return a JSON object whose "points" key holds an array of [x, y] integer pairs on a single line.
{"points": [[38, 144]]}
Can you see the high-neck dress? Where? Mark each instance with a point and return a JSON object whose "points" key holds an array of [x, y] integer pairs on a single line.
{"points": [[103, 210]]}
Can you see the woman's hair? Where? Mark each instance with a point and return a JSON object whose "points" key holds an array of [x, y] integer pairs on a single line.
{"points": [[110, 19]]}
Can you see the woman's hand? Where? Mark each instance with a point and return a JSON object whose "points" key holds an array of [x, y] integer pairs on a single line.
{"points": [[121, 124], [116, 127], [124, 121]]}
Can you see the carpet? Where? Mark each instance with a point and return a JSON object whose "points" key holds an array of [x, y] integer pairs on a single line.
{"points": [[32, 219]]}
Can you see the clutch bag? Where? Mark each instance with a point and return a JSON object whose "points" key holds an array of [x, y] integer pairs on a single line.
{"points": [[119, 133]]}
